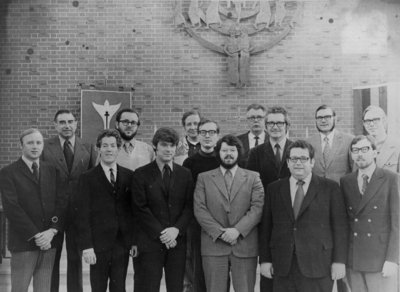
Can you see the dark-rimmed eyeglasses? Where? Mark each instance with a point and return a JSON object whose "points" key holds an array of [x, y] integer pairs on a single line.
{"points": [[371, 121], [278, 124], [127, 123], [302, 159], [255, 118], [210, 132], [326, 118], [356, 150]]}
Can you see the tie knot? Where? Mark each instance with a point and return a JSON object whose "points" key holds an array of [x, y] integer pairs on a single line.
{"points": [[326, 139], [256, 137], [111, 170], [167, 168], [228, 173], [67, 143], [300, 183], [35, 165], [365, 177], [277, 146]]}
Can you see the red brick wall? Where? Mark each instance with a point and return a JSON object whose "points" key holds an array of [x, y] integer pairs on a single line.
{"points": [[48, 49]]}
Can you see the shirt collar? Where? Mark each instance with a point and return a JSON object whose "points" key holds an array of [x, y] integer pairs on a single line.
{"points": [[330, 136], [282, 143], [62, 141], [132, 142], [106, 168], [161, 165], [306, 180], [261, 136], [232, 170], [30, 162], [369, 171], [190, 142]]}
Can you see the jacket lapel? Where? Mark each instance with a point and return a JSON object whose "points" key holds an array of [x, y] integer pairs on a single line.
{"points": [[385, 152], [26, 171], [287, 200], [354, 192], [336, 144], [55, 147], [269, 155], [238, 181], [219, 181], [373, 187], [310, 195]]}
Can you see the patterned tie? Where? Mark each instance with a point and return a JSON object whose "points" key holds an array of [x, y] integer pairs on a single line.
{"points": [[278, 155], [167, 176], [256, 138], [228, 180], [35, 170], [128, 147], [298, 198], [68, 154], [325, 154], [364, 184], [112, 177]]}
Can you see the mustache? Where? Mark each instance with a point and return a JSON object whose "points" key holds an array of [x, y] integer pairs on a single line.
{"points": [[228, 156]]}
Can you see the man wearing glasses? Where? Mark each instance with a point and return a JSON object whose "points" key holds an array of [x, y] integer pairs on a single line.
{"points": [[134, 153], [388, 147], [303, 231], [268, 159], [332, 156], [372, 201], [256, 135]]}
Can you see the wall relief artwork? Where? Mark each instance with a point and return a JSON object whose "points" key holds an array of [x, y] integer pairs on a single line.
{"points": [[240, 23]]}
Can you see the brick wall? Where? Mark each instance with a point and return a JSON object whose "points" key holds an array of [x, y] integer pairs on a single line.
{"points": [[49, 48]]}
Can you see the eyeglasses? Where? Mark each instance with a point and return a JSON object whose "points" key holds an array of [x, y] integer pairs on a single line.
{"points": [[295, 159], [272, 124], [255, 118], [127, 123], [210, 132], [356, 150], [371, 121], [326, 118]]}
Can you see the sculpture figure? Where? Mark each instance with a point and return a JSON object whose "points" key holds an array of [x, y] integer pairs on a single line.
{"points": [[212, 14], [196, 15], [264, 15]]}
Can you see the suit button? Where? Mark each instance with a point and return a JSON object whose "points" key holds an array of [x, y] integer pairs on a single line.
{"points": [[369, 220], [350, 208], [294, 229], [355, 234], [356, 220], [369, 234], [375, 207]]}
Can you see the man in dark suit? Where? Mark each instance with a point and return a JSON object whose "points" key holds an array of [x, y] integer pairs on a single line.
{"points": [[228, 204], [269, 158], [255, 115], [372, 200], [303, 232], [35, 208], [71, 157], [105, 216], [162, 196]]}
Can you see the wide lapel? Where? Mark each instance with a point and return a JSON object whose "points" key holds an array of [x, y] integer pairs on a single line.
{"points": [[269, 155], [219, 181], [316, 142], [54, 146], [283, 160], [103, 179], [238, 181], [24, 169], [284, 194], [79, 153], [354, 191], [157, 175], [385, 152], [246, 143], [336, 144], [310, 195], [372, 190], [172, 180]]}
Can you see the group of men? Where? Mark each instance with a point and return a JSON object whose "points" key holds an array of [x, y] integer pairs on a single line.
{"points": [[310, 211]]}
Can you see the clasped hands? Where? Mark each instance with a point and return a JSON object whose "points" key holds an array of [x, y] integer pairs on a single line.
{"points": [[43, 239], [168, 237], [229, 235]]}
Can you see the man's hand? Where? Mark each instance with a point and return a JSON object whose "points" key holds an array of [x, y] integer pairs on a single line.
{"points": [[168, 235], [44, 238], [89, 256], [389, 269], [172, 244], [338, 271], [230, 235], [267, 270], [133, 252]]}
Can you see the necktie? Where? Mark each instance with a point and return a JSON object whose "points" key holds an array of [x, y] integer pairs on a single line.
{"points": [[167, 176], [35, 170], [228, 180], [68, 154], [112, 177], [128, 147], [278, 155], [298, 198], [256, 138], [325, 154], [364, 184]]}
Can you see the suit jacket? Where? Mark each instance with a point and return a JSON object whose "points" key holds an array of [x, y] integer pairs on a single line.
{"points": [[318, 237], [215, 209], [262, 160], [104, 210], [389, 155], [339, 162], [373, 219], [244, 138], [156, 208], [84, 159], [31, 206]]}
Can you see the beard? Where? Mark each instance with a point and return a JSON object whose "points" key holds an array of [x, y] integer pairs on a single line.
{"points": [[125, 136], [230, 165]]}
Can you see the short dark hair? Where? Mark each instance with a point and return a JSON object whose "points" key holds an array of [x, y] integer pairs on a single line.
{"points": [[207, 121], [188, 114], [165, 134], [255, 106], [230, 140], [303, 145], [63, 111], [28, 132], [278, 110], [358, 138], [322, 107], [109, 133], [126, 110]]}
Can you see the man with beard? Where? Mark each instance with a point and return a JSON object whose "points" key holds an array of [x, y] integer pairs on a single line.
{"points": [[202, 161], [255, 115], [228, 205], [134, 153], [387, 147], [332, 155], [372, 200]]}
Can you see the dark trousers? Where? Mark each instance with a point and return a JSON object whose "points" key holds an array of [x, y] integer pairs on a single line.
{"points": [[149, 269], [74, 263], [110, 269], [296, 282], [265, 284]]}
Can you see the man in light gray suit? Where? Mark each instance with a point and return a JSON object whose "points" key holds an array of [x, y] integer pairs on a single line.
{"points": [[228, 204], [332, 155]]}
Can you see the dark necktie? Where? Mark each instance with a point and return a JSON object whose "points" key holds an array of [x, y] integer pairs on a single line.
{"points": [[112, 177], [298, 198], [364, 184], [256, 138], [167, 176], [68, 154], [35, 170], [278, 155], [228, 181]]}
